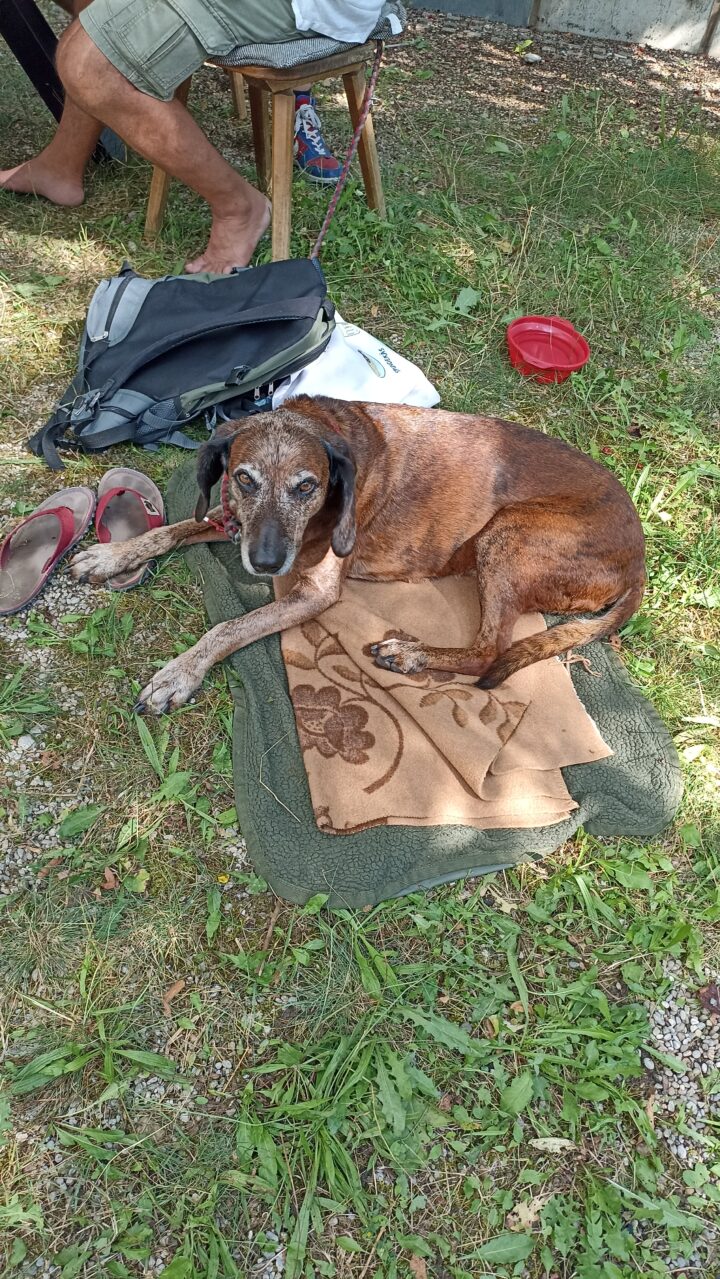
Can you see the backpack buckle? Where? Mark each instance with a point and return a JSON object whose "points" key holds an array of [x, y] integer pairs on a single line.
{"points": [[237, 374], [83, 410]]}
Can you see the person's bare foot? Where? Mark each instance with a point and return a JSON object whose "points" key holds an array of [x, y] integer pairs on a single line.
{"points": [[35, 177], [233, 237]]}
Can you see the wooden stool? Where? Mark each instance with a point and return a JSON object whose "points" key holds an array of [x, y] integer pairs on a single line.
{"points": [[274, 147]]}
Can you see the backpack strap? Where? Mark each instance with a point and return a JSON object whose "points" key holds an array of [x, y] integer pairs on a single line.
{"points": [[44, 442]]}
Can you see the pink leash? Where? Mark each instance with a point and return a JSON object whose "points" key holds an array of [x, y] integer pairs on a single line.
{"points": [[229, 525], [365, 111]]}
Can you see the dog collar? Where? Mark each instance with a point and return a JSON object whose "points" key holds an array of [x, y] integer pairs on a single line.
{"points": [[229, 525]]}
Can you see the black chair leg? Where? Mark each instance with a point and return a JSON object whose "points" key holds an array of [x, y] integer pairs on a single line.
{"points": [[31, 39]]}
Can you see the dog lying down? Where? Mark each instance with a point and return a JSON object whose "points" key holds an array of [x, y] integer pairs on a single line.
{"points": [[322, 489]]}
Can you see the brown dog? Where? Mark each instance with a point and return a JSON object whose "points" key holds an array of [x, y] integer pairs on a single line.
{"points": [[322, 489]]}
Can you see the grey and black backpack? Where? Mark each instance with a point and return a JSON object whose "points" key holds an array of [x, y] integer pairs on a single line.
{"points": [[155, 354]]}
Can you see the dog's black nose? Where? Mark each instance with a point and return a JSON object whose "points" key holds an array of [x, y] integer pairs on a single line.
{"points": [[267, 563], [269, 552]]}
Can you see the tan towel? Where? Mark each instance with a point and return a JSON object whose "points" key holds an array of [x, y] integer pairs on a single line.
{"points": [[429, 749]]}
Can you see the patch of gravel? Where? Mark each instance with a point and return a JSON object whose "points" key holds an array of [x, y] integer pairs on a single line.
{"points": [[27, 763], [24, 764], [41, 1266], [62, 596], [35, 765], [21, 850], [470, 65], [233, 848], [636, 71], [686, 1104]]}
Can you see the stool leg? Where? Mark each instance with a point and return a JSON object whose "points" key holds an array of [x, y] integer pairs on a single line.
{"points": [[259, 116], [237, 84], [283, 124], [160, 183], [354, 83]]}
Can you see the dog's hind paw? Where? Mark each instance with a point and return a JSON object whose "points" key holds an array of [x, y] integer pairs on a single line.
{"points": [[403, 657], [172, 687]]}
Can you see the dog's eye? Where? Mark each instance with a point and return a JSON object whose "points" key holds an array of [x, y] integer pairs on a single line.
{"points": [[245, 480], [305, 487]]}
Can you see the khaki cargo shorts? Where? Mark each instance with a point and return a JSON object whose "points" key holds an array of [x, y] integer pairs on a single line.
{"points": [[156, 44]]}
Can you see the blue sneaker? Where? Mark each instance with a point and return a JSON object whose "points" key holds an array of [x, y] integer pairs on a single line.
{"points": [[311, 154]]}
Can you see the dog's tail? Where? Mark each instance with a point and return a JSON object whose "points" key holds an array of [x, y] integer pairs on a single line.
{"points": [[564, 636]]}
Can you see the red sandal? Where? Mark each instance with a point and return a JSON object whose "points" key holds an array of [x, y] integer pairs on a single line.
{"points": [[33, 550], [128, 504]]}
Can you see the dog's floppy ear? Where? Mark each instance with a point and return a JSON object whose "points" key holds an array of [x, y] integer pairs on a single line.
{"points": [[342, 486], [212, 461]]}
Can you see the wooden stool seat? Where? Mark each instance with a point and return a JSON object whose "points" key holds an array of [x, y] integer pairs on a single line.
{"points": [[274, 129]]}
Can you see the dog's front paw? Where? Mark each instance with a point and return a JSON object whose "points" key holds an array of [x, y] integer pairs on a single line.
{"points": [[95, 565], [173, 686], [403, 657]]}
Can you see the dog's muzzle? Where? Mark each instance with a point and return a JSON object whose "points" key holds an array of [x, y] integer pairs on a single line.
{"points": [[268, 551]]}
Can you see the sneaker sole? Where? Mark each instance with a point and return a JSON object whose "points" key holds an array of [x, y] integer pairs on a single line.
{"points": [[321, 182]]}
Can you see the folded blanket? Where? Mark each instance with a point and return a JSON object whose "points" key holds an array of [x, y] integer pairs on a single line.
{"points": [[634, 792], [429, 749]]}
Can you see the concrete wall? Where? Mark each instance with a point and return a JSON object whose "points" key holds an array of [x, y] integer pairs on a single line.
{"points": [[687, 25], [515, 12], [665, 24]]}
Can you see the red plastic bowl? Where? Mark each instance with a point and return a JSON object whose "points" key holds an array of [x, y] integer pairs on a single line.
{"points": [[546, 347]]}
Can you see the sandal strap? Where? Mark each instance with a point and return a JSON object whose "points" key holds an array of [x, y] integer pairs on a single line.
{"points": [[154, 517], [66, 520]]}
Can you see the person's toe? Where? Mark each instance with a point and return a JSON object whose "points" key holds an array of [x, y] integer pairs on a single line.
{"points": [[217, 266], [32, 179]]}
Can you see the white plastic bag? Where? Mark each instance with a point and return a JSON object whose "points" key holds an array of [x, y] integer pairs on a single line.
{"points": [[356, 366]]}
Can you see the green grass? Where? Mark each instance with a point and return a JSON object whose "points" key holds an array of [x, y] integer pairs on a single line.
{"points": [[399, 1078]]}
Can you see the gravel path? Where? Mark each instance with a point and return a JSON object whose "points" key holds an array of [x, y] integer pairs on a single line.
{"points": [[475, 60], [25, 761], [686, 1027]]}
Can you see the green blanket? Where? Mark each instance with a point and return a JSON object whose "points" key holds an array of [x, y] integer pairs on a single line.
{"points": [[634, 793]]}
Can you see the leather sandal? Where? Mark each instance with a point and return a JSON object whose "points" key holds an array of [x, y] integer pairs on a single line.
{"points": [[31, 553], [128, 504]]}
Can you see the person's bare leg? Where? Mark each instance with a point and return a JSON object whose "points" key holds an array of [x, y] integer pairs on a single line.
{"points": [[58, 171], [166, 134]]}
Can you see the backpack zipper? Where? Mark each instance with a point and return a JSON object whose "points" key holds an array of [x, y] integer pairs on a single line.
{"points": [[113, 308], [305, 309]]}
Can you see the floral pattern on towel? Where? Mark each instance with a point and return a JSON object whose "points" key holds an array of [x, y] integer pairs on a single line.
{"points": [[383, 748]]}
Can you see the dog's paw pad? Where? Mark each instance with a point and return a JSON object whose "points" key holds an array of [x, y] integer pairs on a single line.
{"points": [[171, 688], [402, 657]]}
